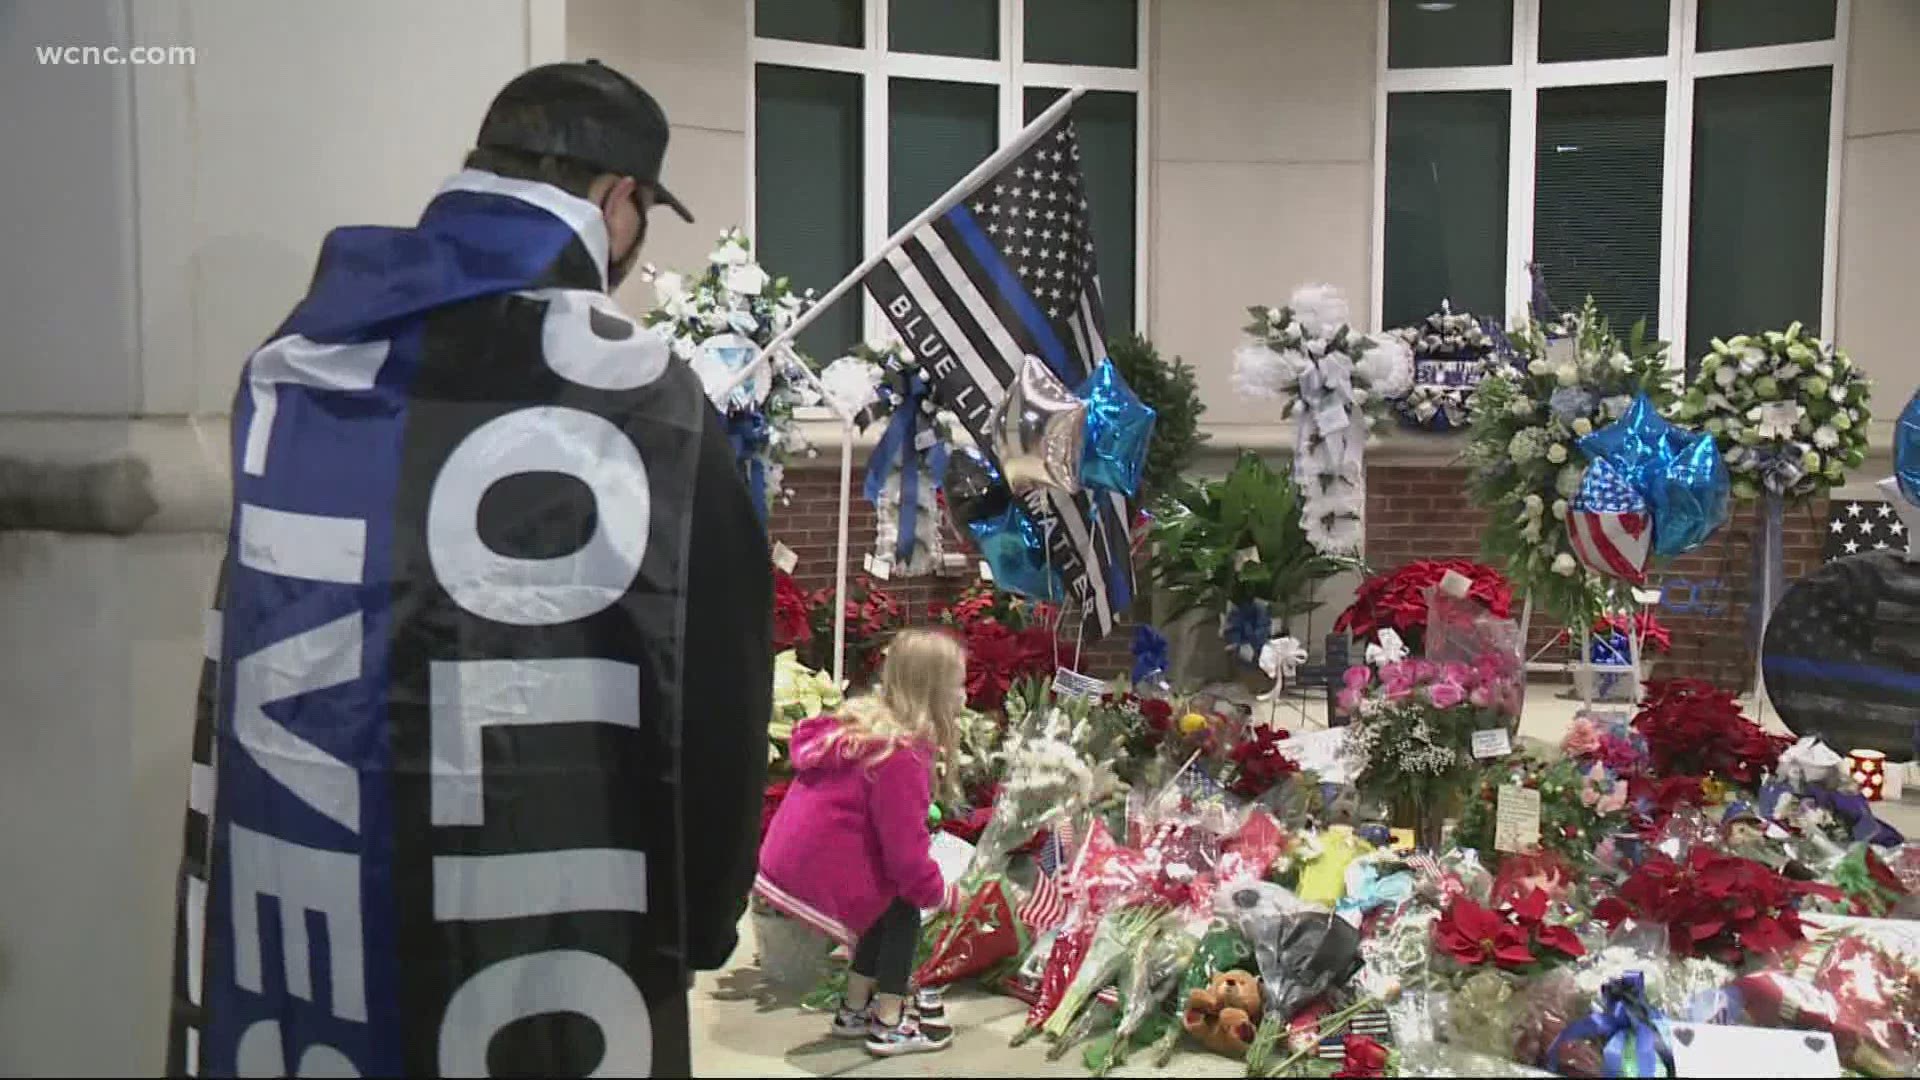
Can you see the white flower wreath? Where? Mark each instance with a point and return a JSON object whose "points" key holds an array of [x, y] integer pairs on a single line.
{"points": [[1788, 410], [1450, 351], [1335, 381]]}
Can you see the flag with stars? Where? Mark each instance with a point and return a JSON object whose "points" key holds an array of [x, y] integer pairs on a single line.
{"points": [[1857, 525], [1009, 272], [1842, 653]]}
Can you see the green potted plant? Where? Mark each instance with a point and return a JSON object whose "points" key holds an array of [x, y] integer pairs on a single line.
{"points": [[1169, 389], [1235, 549]]}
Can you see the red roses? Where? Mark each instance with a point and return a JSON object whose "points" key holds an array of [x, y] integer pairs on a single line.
{"points": [[1398, 600], [1474, 935], [1693, 728], [1713, 905], [1365, 1058], [1259, 763]]}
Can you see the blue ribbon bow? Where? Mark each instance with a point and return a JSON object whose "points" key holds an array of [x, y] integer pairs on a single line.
{"points": [[1629, 1025], [747, 431], [1247, 628], [1149, 653], [898, 442]]}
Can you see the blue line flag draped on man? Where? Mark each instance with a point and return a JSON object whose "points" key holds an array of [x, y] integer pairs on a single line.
{"points": [[1007, 273]]}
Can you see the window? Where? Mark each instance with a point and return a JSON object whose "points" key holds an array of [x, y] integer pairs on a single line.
{"points": [[865, 111], [1674, 159]]}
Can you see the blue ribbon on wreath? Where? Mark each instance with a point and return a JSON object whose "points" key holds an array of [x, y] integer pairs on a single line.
{"points": [[749, 435], [1628, 1025], [900, 443], [1246, 628]]}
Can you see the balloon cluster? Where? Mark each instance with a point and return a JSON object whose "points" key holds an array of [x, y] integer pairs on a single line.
{"points": [[1647, 475], [1043, 436], [1906, 450]]}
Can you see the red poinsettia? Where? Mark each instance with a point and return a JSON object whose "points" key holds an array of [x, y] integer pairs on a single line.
{"points": [[1398, 599], [1694, 728], [1259, 762], [1365, 1057], [1712, 904], [1473, 935], [1654, 636], [792, 622], [997, 657]]}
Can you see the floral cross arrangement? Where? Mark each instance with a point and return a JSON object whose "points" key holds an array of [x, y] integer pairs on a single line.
{"points": [[1788, 410], [1566, 380], [1449, 354], [717, 320], [1335, 381], [878, 382]]}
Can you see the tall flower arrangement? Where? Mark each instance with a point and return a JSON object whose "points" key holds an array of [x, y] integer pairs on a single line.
{"points": [[1566, 379], [716, 320], [1335, 382], [1787, 408]]}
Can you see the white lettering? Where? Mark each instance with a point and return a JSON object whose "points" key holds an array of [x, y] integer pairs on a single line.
{"points": [[540, 592], [559, 981], [261, 1053], [477, 888], [469, 696], [588, 340], [312, 547], [317, 659], [301, 362], [302, 879], [195, 959], [899, 306]]}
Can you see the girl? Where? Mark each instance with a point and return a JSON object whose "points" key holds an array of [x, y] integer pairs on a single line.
{"points": [[848, 851]]}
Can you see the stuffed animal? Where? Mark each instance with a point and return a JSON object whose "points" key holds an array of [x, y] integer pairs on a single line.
{"points": [[1225, 1015]]}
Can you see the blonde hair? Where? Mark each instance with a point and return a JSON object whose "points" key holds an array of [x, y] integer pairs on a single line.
{"points": [[921, 690]]}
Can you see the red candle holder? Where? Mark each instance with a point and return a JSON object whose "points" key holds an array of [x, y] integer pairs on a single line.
{"points": [[1868, 768]]}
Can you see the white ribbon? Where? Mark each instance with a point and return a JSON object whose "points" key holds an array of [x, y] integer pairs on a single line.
{"points": [[1390, 650], [1280, 658], [1809, 761]]}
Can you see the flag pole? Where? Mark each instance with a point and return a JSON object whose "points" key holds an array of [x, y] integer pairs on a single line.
{"points": [[842, 556], [994, 162]]}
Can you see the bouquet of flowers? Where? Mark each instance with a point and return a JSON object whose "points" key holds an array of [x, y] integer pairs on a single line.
{"points": [[1449, 354], [1334, 381], [717, 320], [1693, 728], [1788, 410], [1582, 806], [1566, 380], [1397, 600]]}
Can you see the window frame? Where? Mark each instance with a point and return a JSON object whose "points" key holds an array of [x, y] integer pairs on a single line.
{"points": [[1523, 77], [1010, 75]]}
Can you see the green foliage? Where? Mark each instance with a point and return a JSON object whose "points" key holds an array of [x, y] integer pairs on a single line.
{"points": [[1170, 390], [1202, 530]]}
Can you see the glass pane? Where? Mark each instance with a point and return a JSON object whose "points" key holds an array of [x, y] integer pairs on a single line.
{"points": [[1759, 203], [806, 151], [945, 27], [824, 22], [1596, 208], [1584, 30], [1101, 32], [1738, 24], [937, 132], [1104, 120], [1446, 233], [1436, 33]]}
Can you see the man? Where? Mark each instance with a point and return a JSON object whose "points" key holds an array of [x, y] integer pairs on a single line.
{"points": [[482, 728]]}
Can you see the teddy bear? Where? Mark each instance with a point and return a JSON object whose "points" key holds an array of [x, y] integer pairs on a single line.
{"points": [[1225, 1015]]}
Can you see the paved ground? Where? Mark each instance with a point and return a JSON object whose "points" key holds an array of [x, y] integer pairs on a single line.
{"points": [[744, 1027]]}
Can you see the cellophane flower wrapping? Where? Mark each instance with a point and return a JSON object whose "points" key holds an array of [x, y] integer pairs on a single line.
{"points": [[1046, 781], [1460, 630], [985, 934], [1478, 1014], [1858, 979], [1302, 955], [1433, 1058], [1152, 975]]}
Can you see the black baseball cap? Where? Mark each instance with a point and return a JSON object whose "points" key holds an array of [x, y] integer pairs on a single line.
{"points": [[586, 112]]}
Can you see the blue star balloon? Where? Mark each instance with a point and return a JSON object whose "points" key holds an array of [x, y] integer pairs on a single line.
{"points": [[1906, 450], [1679, 473], [1119, 427], [1015, 549]]}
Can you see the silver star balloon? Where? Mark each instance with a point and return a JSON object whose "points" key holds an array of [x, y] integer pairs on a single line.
{"points": [[1038, 431]]}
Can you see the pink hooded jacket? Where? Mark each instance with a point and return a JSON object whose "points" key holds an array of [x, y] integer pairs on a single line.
{"points": [[850, 837]]}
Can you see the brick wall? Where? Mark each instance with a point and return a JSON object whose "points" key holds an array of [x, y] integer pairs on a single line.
{"points": [[1421, 512], [1413, 512]]}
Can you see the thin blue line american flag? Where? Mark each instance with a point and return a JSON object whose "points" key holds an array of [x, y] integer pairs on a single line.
{"points": [[1009, 272]]}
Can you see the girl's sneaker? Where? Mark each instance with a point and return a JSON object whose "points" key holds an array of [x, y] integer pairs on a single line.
{"points": [[910, 1036], [852, 1023], [930, 1006]]}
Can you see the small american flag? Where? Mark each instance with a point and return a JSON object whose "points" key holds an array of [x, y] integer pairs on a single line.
{"points": [[1046, 907], [1857, 525], [1609, 528]]}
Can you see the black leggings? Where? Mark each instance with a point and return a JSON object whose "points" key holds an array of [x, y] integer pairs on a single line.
{"points": [[887, 950]]}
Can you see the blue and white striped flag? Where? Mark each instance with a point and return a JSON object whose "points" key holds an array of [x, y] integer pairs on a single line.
{"points": [[1008, 273]]}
